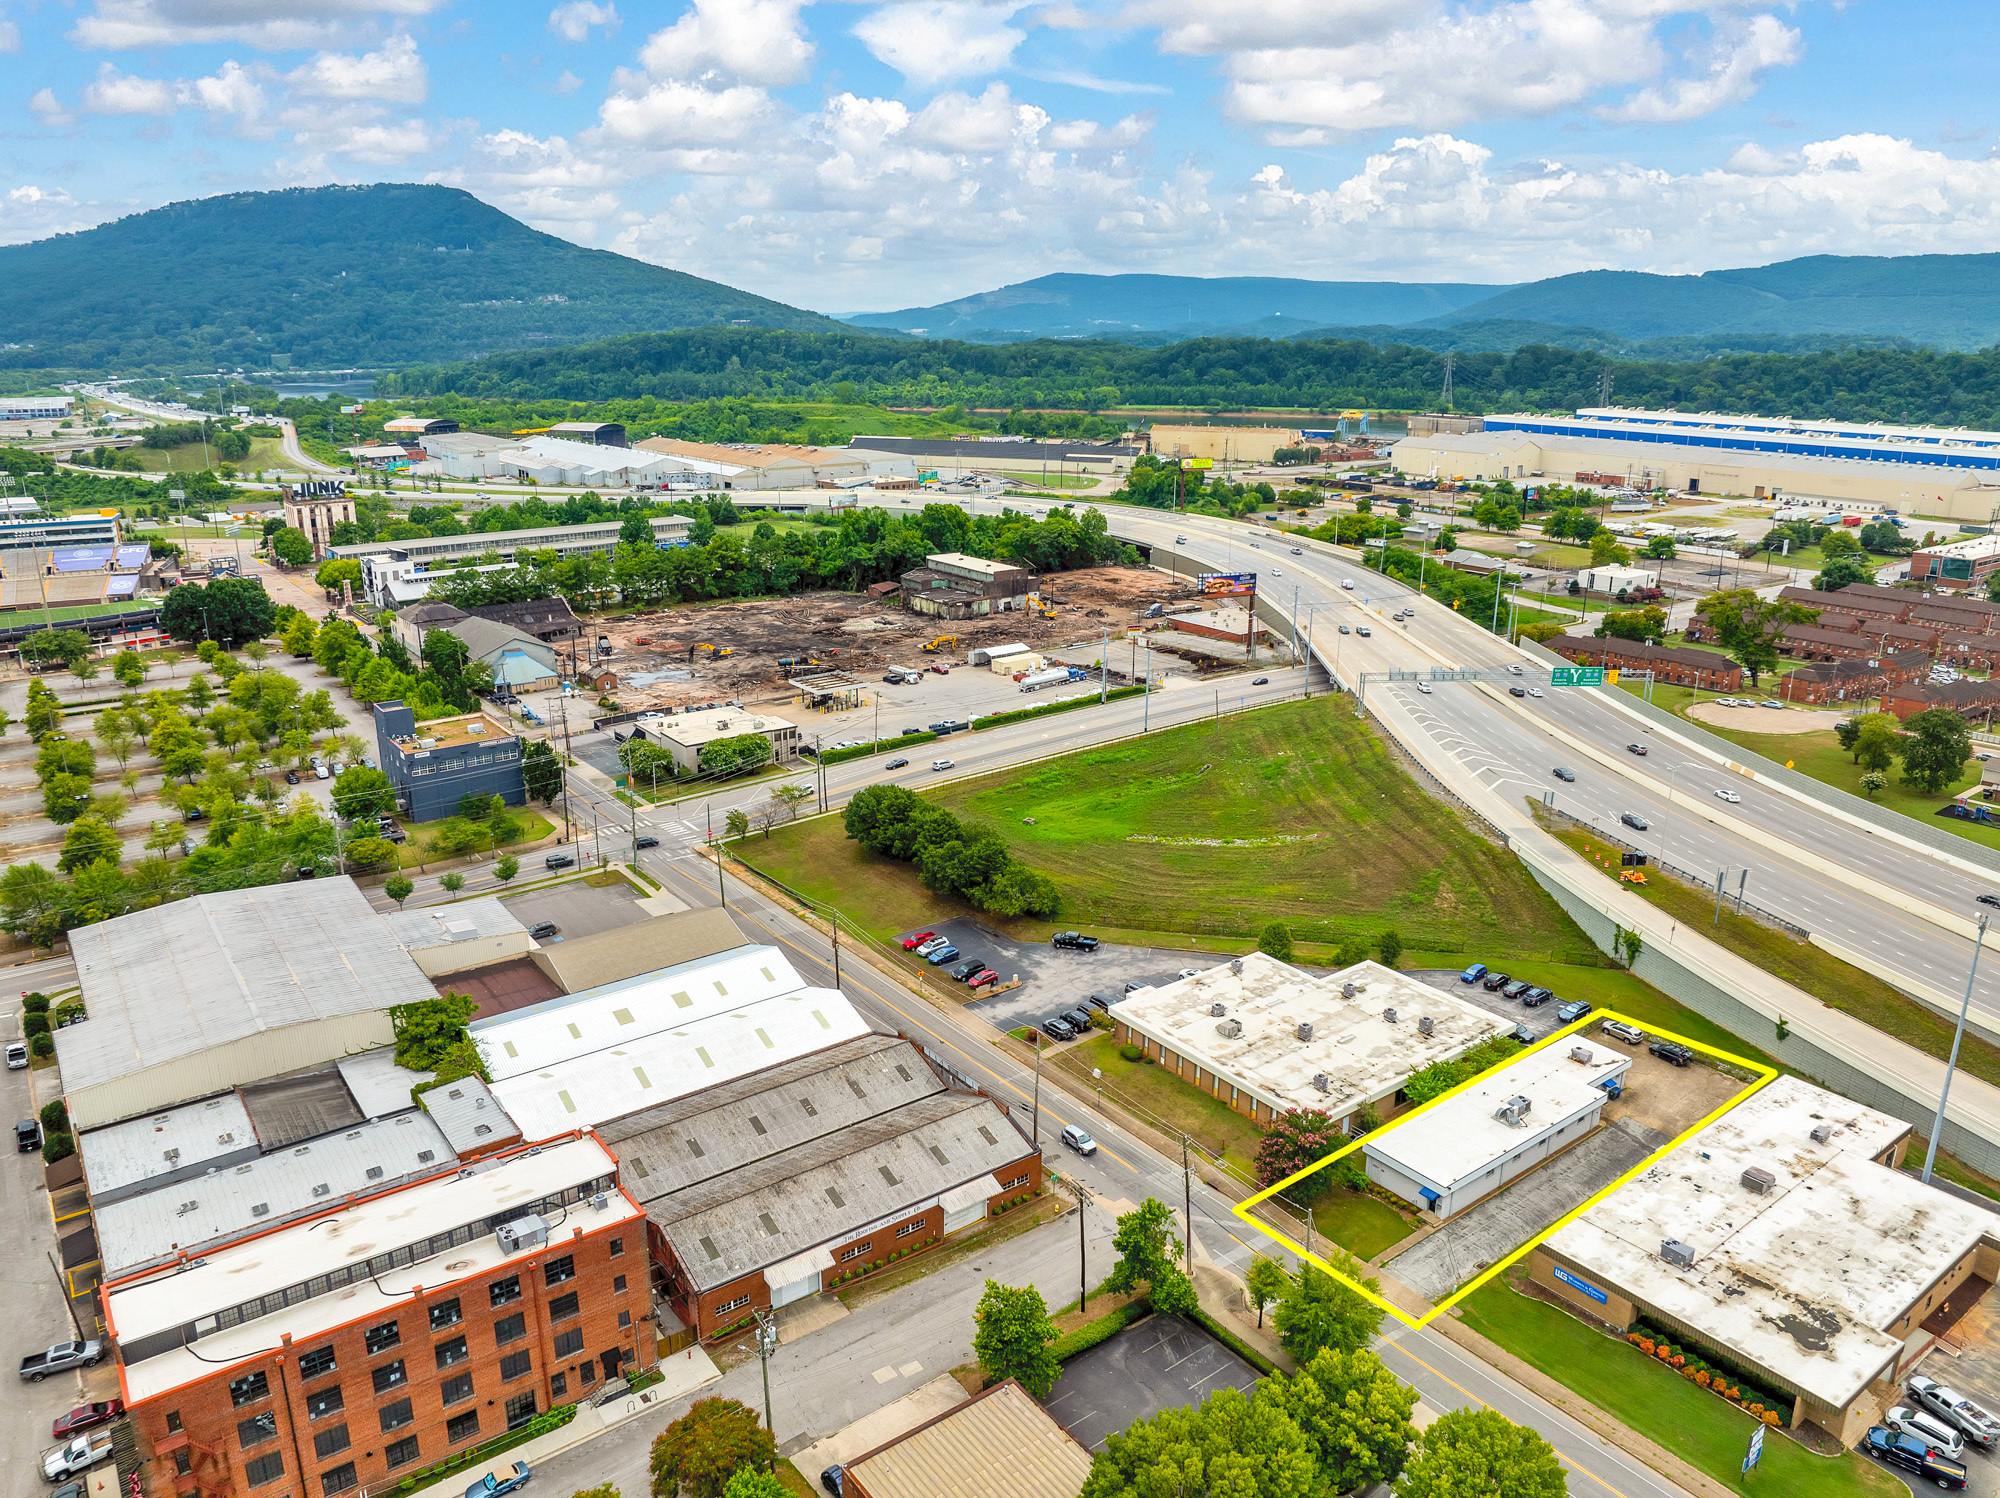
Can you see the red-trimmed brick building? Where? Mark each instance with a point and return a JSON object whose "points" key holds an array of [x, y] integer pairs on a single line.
{"points": [[1685, 668], [354, 1348]]}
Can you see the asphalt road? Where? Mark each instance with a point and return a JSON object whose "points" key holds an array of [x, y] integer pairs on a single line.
{"points": [[929, 1323]]}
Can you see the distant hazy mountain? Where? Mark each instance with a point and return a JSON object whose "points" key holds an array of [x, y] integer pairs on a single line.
{"points": [[1942, 301], [328, 277], [1077, 306]]}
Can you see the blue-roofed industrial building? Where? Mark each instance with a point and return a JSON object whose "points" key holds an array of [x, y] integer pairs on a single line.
{"points": [[435, 765]]}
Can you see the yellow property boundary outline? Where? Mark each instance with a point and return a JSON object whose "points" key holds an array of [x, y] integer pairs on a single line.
{"points": [[1244, 1210]]}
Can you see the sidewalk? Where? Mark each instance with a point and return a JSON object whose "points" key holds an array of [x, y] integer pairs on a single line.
{"points": [[685, 1372]]}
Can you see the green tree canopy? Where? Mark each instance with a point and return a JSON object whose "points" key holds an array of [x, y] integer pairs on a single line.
{"points": [[696, 1455], [1481, 1452], [1355, 1414], [1749, 627], [1936, 749], [1014, 1336], [1320, 1312], [1148, 1254], [1232, 1445]]}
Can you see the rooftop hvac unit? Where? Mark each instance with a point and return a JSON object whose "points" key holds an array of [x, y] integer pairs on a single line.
{"points": [[601, 1200], [1389, 1015], [1513, 1112], [1216, 1011], [1229, 1029], [1349, 990], [1821, 1133], [1582, 1053], [523, 1233], [1677, 1254], [1305, 1030], [1426, 1025], [1236, 967], [1759, 1179], [1323, 1082]]}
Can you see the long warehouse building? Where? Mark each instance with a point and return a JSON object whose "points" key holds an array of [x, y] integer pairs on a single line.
{"points": [[1946, 473]]}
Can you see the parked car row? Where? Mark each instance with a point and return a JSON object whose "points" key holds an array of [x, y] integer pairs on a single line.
{"points": [[938, 950], [1532, 995], [1073, 1021]]}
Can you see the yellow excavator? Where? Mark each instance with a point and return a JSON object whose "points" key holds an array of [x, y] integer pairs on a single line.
{"points": [[943, 642], [707, 649]]}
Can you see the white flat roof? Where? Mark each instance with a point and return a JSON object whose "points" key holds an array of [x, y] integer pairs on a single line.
{"points": [[1808, 1279], [275, 1261], [1461, 1137], [378, 1086], [1363, 1055], [1971, 546], [971, 564], [442, 925], [691, 729]]}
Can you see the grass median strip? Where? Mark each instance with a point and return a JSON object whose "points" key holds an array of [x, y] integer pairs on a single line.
{"points": [[1834, 983]]}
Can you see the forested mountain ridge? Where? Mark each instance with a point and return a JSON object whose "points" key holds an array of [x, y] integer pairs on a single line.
{"points": [[334, 277], [1916, 385]]}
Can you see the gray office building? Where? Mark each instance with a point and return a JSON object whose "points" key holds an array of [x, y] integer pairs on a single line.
{"points": [[435, 765]]}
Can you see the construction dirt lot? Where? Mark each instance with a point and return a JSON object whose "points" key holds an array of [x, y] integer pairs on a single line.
{"points": [[660, 662]]}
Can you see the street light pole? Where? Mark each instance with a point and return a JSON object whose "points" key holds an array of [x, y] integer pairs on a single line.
{"points": [[767, 1343], [1035, 1132], [1957, 1035]]}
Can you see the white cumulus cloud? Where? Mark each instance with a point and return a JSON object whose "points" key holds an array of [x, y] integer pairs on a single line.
{"points": [[572, 22], [1729, 70], [115, 93], [757, 41], [268, 25], [393, 74], [929, 41]]}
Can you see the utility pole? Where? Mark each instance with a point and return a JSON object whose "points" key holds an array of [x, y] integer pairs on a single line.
{"points": [[1035, 1132], [767, 1343], [562, 709], [1720, 876], [1104, 669], [1450, 363], [1957, 1035], [1187, 1207]]}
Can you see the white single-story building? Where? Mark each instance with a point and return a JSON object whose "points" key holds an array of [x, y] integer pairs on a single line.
{"points": [[1616, 579], [1499, 1128], [1784, 1238], [1266, 1037]]}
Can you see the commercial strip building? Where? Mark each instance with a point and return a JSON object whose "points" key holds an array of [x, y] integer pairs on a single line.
{"points": [[389, 1331], [997, 1444], [767, 466], [433, 768], [688, 735], [1510, 1120], [764, 1190], [1723, 457], [1783, 1239], [1615, 580], [1266, 1037], [387, 562], [951, 585]]}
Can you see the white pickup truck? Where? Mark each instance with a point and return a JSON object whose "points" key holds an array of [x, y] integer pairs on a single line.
{"points": [[76, 1457]]}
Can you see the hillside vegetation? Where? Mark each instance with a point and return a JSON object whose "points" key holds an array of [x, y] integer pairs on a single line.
{"points": [[330, 277], [1226, 373]]}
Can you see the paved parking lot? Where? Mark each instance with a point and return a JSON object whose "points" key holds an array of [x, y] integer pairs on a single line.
{"points": [[1971, 1365], [579, 909], [1540, 1020], [1053, 979], [1162, 1363]]}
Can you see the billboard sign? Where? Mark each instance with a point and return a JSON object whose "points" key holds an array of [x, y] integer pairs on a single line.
{"points": [[352, 410], [1196, 465], [1226, 584]]}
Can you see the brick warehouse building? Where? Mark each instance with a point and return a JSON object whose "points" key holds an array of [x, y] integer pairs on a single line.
{"points": [[359, 1346]]}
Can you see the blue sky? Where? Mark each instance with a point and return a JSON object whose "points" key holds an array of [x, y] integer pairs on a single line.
{"points": [[861, 156]]}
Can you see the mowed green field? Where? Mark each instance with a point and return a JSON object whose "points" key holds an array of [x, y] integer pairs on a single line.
{"points": [[1295, 813]]}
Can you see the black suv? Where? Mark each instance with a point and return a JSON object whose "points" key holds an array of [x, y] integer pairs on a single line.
{"points": [[1674, 1055], [542, 930], [1495, 982], [1058, 1028], [1075, 941], [558, 861], [966, 969]]}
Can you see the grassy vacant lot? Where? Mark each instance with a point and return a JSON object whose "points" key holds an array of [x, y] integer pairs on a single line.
{"points": [[1826, 977], [265, 452], [1696, 1426], [1163, 1099], [1363, 1225], [1295, 812]]}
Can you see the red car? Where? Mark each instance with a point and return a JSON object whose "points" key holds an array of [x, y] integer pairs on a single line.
{"points": [[911, 943], [981, 978], [84, 1416], [941, 670]]}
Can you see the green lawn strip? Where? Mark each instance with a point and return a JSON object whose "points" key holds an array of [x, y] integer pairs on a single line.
{"points": [[1165, 1101], [1954, 1170], [1819, 973], [1700, 1428], [416, 849], [1362, 1224], [1295, 812]]}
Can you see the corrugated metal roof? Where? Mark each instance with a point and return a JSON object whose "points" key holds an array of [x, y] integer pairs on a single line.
{"points": [[183, 1141], [640, 948], [648, 1069], [827, 1190], [257, 1194], [721, 1129], [180, 979], [999, 1444], [470, 1116]]}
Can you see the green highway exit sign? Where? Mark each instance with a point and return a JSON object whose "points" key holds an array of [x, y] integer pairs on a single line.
{"points": [[1577, 676]]}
